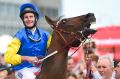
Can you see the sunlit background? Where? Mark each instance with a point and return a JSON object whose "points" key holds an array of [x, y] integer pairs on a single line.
{"points": [[107, 13]]}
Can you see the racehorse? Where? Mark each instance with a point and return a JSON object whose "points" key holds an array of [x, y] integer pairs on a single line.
{"points": [[67, 32]]}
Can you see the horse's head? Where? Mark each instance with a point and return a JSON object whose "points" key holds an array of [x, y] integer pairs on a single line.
{"points": [[74, 25]]}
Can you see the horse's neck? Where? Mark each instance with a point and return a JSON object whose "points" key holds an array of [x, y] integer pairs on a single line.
{"points": [[55, 66], [56, 44]]}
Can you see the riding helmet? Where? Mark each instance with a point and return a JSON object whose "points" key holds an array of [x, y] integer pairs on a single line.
{"points": [[28, 7]]}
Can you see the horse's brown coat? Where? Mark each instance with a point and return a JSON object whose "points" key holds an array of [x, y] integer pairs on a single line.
{"points": [[55, 66]]}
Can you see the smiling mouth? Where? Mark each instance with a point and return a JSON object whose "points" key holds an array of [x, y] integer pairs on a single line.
{"points": [[29, 22]]}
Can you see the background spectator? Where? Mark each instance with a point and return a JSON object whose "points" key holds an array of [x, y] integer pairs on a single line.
{"points": [[71, 76], [105, 67], [70, 64], [117, 71]]}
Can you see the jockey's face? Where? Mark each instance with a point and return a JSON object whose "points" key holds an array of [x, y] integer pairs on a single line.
{"points": [[29, 20]]}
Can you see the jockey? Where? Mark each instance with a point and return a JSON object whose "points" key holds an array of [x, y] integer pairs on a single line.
{"points": [[28, 43]]}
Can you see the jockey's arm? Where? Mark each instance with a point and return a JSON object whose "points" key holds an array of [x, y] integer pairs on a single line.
{"points": [[11, 55]]}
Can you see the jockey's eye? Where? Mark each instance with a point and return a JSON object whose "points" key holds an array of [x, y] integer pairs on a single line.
{"points": [[64, 21]]}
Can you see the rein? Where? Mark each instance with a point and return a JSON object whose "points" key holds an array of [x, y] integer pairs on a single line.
{"points": [[59, 31], [88, 64]]}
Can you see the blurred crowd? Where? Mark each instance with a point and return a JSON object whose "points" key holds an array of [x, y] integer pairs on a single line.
{"points": [[91, 65], [3, 73], [87, 63], [4, 68]]}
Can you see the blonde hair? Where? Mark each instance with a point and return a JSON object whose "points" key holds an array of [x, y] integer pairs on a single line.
{"points": [[107, 57]]}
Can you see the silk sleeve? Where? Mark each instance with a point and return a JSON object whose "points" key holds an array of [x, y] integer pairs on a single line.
{"points": [[11, 55]]}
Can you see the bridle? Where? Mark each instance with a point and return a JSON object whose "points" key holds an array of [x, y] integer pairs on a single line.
{"points": [[74, 35], [60, 36], [67, 44]]}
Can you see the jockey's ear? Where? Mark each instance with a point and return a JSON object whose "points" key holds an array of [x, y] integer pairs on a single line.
{"points": [[50, 21]]}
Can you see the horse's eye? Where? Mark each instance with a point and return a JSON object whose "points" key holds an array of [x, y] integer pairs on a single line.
{"points": [[64, 21]]}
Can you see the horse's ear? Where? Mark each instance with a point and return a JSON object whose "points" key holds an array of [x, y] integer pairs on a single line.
{"points": [[50, 21]]}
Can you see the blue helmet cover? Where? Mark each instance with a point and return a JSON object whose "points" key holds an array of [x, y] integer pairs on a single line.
{"points": [[29, 5]]}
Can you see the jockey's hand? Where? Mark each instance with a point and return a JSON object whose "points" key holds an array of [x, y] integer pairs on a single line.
{"points": [[38, 62], [30, 59], [34, 60], [40, 59]]}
